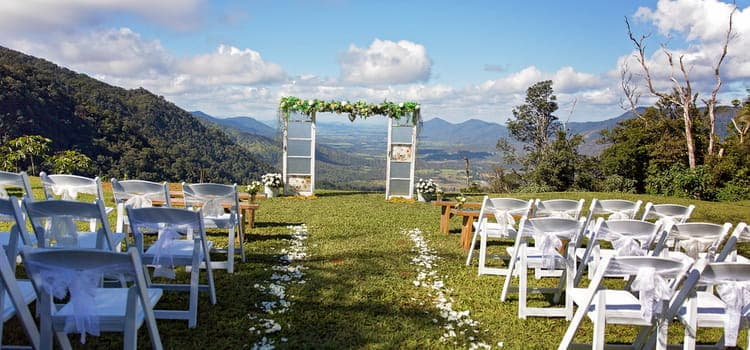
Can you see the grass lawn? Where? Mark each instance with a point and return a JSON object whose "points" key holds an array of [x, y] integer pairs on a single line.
{"points": [[351, 283]]}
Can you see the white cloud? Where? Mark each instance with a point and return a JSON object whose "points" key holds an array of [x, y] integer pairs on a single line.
{"points": [[566, 79], [230, 65], [44, 16], [386, 62]]}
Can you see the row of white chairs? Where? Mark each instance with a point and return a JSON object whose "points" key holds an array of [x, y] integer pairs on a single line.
{"points": [[213, 198], [56, 224]]}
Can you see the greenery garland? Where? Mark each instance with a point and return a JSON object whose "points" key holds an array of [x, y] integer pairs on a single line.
{"points": [[357, 109]]}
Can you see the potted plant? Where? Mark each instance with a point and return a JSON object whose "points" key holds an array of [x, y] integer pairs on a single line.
{"points": [[272, 183], [253, 188], [426, 189]]}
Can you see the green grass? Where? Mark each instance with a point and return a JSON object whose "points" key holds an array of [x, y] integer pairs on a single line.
{"points": [[359, 291]]}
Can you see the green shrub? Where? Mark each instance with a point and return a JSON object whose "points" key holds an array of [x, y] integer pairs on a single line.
{"points": [[680, 181], [535, 188], [618, 183], [734, 191]]}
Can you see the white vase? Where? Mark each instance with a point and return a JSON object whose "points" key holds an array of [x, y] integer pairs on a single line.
{"points": [[424, 197], [271, 191]]}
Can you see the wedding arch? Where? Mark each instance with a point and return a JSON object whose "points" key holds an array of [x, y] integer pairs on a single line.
{"points": [[297, 118]]}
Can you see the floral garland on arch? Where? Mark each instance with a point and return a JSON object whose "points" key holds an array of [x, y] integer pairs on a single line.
{"points": [[358, 109]]}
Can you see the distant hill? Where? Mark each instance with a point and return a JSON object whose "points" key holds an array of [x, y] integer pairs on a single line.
{"points": [[244, 124], [128, 133]]}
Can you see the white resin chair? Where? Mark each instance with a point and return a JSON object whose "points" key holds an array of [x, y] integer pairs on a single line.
{"points": [[68, 187], [56, 223], [91, 309], [560, 208], [628, 237], [212, 199], [724, 308], [182, 242], [554, 240], [693, 240], [612, 209], [15, 180], [675, 213], [137, 194], [502, 227], [15, 297], [656, 280], [18, 235]]}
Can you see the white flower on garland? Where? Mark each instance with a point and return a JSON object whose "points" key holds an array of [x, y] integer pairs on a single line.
{"points": [[272, 180], [426, 186]]}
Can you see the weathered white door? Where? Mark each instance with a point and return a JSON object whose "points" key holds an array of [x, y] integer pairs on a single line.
{"points": [[299, 154], [402, 157]]}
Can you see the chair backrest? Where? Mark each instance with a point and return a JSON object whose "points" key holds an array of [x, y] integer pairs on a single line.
{"points": [[151, 219], [696, 237], [212, 197], [547, 230], [10, 211], [565, 208], [134, 192], [65, 186], [675, 212], [15, 180], [57, 221]]}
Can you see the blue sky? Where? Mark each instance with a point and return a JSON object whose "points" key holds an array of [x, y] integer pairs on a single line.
{"points": [[461, 60]]}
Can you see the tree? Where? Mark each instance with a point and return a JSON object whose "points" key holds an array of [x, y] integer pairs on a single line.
{"points": [[682, 93], [68, 162], [533, 122], [559, 162], [30, 146]]}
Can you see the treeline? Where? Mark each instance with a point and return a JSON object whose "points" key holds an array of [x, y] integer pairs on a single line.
{"points": [[126, 133], [646, 154]]}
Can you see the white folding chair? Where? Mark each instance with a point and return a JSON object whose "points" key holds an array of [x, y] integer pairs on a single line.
{"points": [[693, 240], [549, 252], [560, 208], [91, 309], [723, 309], [656, 280], [18, 235], [213, 198], [68, 187], [612, 209], [674, 213], [627, 237], [15, 180], [55, 224], [504, 226], [16, 295], [175, 249], [137, 194]]}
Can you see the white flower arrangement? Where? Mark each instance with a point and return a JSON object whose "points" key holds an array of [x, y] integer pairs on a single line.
{"points": [[272, 180], [426, 186], [254, 187]]}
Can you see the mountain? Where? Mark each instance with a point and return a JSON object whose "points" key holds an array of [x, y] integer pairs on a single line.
{"points": [[128, 133], [473, 134], [244, 124]]}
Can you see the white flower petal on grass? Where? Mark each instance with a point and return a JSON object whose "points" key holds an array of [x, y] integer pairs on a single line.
{"points": [[426, 261], [288, 271]]}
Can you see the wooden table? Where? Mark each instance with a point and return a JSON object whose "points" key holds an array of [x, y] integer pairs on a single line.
{"points": [[246, 208], [467, 224], [446, 212]]}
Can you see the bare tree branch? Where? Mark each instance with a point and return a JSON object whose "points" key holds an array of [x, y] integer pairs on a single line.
{"points": [[711, 102]]}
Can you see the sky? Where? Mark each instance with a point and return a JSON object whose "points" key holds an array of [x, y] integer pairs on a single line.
{"points": [[460, 60]]}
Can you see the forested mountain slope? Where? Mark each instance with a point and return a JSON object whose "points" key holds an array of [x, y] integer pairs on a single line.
{"points": [[128, 133]]}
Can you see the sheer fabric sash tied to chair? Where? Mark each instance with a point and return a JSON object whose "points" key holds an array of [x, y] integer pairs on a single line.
{"points": [[620, 214], [63, 231], [504, 217], [163, 258], [70, 192], [213, 206], [654, 291], [58, 281], [735, 295], [549, 243], [143, 200]]}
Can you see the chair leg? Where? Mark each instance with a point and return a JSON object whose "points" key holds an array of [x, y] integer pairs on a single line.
{"points": [[230, 251], [241, 227], [522, 283], [210, 276], [194, 284], [482, 252], [471, 247], [599, 323], [130, 333]]}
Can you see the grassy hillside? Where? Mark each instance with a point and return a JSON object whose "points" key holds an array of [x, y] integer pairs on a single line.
{"points": [[128, 133]]}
